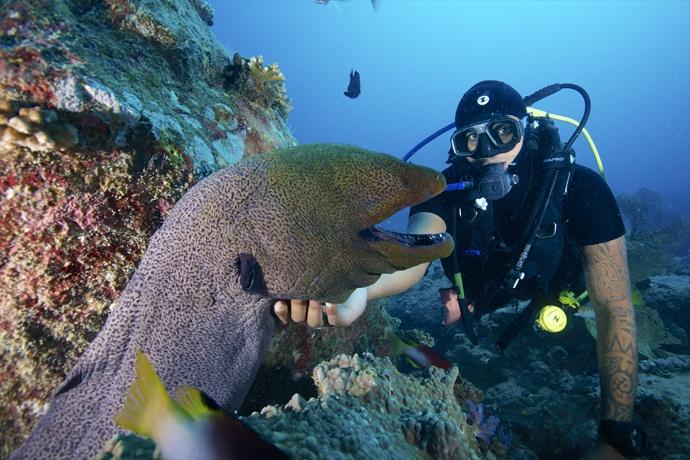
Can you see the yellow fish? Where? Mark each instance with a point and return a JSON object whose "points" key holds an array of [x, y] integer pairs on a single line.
{"points": [[191, 427]]}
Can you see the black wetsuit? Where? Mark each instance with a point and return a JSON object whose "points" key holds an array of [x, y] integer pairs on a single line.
{"points": [[589, 215]]}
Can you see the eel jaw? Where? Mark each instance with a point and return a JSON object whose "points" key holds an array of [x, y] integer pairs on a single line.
{"points": [[405, 250], [410, 239]]}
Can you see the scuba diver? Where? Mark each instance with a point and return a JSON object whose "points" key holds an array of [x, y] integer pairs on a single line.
{"points": [[528, 224]]}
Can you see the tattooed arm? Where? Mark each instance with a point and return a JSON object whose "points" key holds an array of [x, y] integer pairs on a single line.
{"points": [[606, 275]]}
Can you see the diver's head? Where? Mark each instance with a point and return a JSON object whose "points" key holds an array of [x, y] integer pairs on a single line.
{"points": [[509, 133], [487, 122], [489, 134]]}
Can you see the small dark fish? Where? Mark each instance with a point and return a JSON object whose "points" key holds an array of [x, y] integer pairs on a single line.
{"points": [[353, 89]]}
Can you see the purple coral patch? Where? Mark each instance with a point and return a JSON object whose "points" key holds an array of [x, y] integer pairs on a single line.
{"points": [[484, 427]]}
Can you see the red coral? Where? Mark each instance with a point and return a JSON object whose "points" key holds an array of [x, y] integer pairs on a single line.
{"points": [[7, 182], [160, 209], [119, 11], [255, 143], [25, 68], [303, 363], [81, 210], [216, 132]]}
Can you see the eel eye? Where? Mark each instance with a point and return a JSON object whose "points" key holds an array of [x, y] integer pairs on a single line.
{"points": [[251, 277]]}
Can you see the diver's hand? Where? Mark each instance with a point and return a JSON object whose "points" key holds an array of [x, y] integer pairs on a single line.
{"points": [[602, 451], [449, 297], [299, 311], [349, 311], [312, 311]]}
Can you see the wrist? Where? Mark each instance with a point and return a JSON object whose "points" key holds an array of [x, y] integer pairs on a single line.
{"points": [[362, 292], [628, 438]]}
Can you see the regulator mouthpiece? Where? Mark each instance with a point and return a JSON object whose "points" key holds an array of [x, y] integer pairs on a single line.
{"points": [[495, 182]]}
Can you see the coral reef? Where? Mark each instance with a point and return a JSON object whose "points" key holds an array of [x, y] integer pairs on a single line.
{"points": [[545, 387], [668, 296], [365, 404], [656, 238], [34, 128], [109, 112], [344, 374], [263, 84], [74, 226], [129, 447], [652, 334], [365, 409], [665, 367], [204, 9], [297, 349], [643, 212], [662, 405], [484, 427]]}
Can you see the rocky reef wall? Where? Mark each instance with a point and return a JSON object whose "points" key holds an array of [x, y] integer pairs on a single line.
{"points": [[109, 111]]}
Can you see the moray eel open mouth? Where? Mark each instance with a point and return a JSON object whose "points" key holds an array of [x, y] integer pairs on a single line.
{"points": [[376, 233], [405, 250]]}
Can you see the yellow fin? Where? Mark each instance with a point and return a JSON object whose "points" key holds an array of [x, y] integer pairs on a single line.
{"points": [[412, 362], [399, 347], [636, 298], [194, 402], [147, 403]]}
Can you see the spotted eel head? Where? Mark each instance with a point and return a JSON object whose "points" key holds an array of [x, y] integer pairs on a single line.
{"points": [[312, 226]]}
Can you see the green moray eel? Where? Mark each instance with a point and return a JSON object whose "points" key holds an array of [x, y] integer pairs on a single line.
{"points": [[297, 223]]}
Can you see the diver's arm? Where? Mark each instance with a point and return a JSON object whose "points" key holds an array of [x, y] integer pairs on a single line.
{"points": [[395, 283], [608, 283]]}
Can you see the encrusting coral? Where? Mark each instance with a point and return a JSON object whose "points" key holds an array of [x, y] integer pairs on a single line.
{"points": [[73, 228], [261, 74], [264, 83], [365, 409], [34, 128], [297, 349], [344, 374], [204, 9]]}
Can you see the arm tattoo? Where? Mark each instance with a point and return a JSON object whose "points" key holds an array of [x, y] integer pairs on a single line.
{"points": [[606, 275]]}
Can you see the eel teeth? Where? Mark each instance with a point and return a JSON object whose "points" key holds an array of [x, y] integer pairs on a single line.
{"points": [[377, 233]]}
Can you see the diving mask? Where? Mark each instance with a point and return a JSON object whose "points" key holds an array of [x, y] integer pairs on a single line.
{"points": [[487, 138]]}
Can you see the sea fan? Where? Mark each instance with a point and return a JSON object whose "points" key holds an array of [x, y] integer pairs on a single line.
{"points": [[484, 427]]}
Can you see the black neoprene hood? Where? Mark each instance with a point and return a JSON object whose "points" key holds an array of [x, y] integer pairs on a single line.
{"points": [[488, 99]]}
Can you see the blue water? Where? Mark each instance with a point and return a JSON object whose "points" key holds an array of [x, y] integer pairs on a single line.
{"points": [[416, 58]]}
